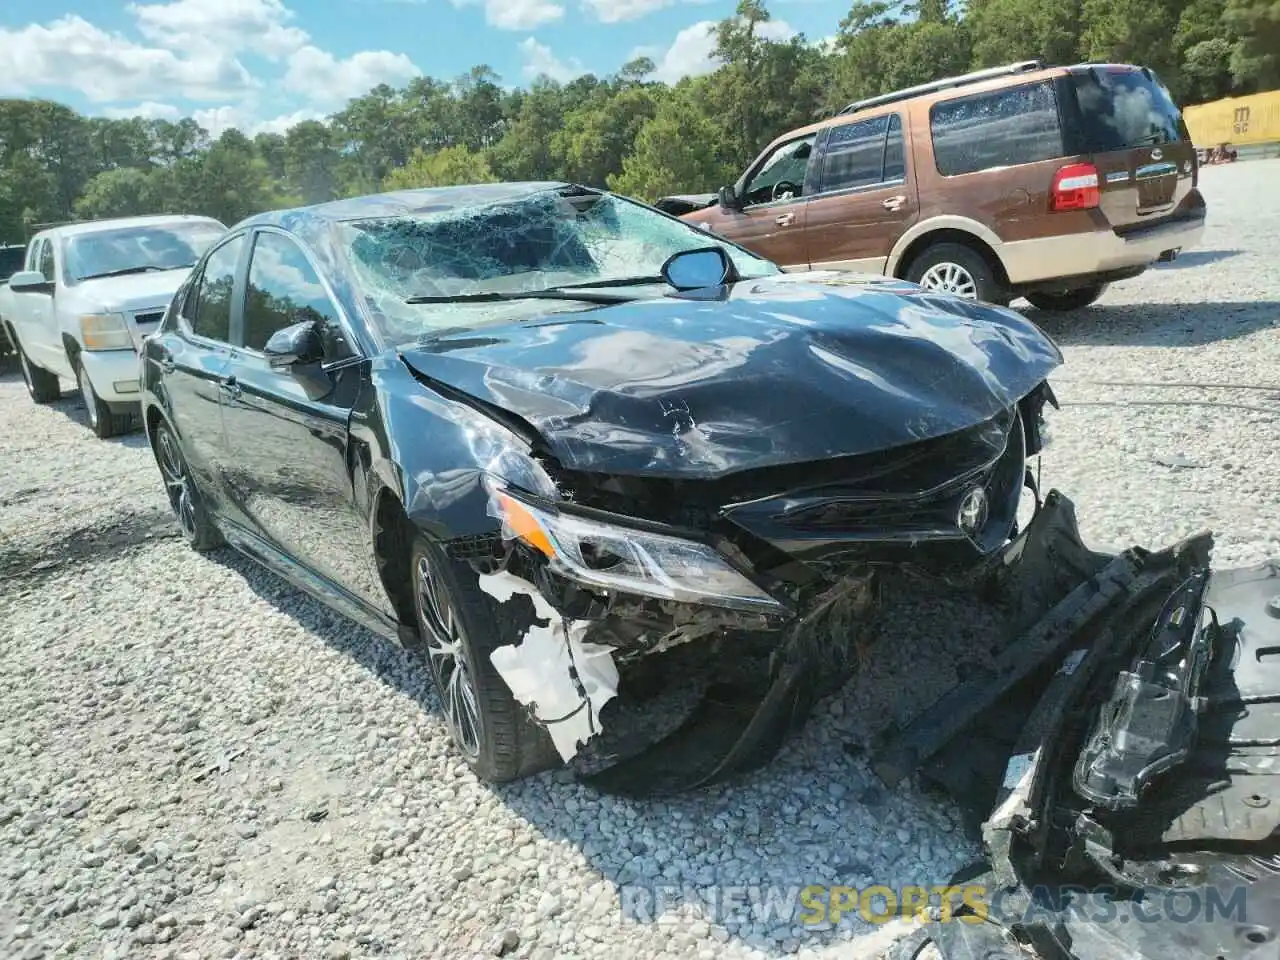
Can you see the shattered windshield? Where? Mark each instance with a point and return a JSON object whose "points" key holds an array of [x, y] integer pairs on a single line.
{"points": [[546, 241], [138, 249]]}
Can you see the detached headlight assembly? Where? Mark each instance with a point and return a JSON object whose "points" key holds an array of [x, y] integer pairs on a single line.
{"points": [[105, 331], [611, 557]]}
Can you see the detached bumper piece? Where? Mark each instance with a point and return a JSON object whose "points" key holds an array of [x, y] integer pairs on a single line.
{"points": [[1135, 813]]}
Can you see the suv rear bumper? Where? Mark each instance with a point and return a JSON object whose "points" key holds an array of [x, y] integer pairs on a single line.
{"points": [[1098, 251]]}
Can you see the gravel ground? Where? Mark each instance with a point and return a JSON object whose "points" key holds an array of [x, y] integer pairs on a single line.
{"points": [[200, 762]]}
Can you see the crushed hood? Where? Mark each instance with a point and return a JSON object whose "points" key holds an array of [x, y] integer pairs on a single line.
{"points": [[787, 369]]}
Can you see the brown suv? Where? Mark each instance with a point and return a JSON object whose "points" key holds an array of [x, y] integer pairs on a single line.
{"points": [[1047, 183]]}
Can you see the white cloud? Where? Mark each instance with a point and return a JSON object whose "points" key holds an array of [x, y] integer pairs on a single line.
{"points": [[72, 53], [327, 81], [540, 61], [227, 25], [284, 122], [517, 14], [692, 52], [218, 120], [618, 11], [148, 110]]}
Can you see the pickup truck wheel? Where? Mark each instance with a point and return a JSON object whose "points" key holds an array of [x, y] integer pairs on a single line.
{"points": [[460, 627], [958, 270], [102, 421], [1068, 300], [184, 497], [41, 384]]}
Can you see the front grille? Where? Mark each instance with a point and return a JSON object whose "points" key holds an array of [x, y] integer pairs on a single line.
{"points": [[148, 316]]}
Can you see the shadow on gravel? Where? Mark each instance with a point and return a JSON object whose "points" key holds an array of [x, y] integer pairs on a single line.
{"points": [[391, 664], [1198, 258], [1158, 324], [30, 562]]}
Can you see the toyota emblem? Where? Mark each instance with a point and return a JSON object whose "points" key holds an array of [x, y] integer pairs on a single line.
{"points": [[972, 515]]}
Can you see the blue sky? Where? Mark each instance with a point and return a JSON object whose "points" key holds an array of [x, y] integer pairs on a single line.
{"points": [[263, 64]]}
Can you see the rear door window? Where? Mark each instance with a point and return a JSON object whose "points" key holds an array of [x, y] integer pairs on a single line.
{"points": [[1003, 128], [862, 154], [211, 312], [1123, 109]]}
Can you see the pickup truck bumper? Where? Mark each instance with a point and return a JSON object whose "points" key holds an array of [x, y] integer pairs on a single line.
{"points": [[115, 376]]}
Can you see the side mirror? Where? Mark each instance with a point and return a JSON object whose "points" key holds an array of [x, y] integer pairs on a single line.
{"points": [[30, 281], [699, 269], [728, 199], [294, 345]]}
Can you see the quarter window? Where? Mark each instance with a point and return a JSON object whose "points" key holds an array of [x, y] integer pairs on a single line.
{"points": [[781, 176], [211, 317], [284, 289], [1003, 128], [863, 154]]}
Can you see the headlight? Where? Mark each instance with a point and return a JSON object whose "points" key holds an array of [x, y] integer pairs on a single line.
{"points": [[105, 331], [611, 557]]}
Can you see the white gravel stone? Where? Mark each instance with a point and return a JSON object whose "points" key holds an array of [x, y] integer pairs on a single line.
{"points": [[196, 755]]}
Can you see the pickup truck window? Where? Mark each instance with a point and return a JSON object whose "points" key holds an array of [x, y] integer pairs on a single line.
{"points": [[211, 316], [33, 254], [46, 261], [139, 249]]}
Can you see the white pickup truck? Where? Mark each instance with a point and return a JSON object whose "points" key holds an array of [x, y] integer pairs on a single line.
{"points": [[86, 295]]}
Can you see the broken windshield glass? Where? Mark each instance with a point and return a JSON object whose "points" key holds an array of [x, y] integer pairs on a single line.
{"points": [[476, 264]]}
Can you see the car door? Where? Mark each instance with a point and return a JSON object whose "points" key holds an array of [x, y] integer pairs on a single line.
{"points": [[865, 200], [771, 221], [291, 458], [38, 323], [194, 356]]}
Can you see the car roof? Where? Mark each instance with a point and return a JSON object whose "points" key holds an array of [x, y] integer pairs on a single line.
{"points": [[117, 223], [401, 203]]}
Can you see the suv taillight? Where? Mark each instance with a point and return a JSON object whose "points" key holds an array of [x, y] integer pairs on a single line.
{"points": [[1075, 187]]}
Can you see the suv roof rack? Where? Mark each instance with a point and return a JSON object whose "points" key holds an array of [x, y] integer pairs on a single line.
{"points": [[1022, 66]]}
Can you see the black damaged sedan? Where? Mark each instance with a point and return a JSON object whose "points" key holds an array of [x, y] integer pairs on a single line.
{"points": [[600, 468]]}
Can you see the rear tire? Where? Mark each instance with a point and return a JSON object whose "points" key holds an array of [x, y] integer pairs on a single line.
{"points": [[102, 421], [43, 386], [958, 270], [460, 626], [1076, 299], [184, 497]]}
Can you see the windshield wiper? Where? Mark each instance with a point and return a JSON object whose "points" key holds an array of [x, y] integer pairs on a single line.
{"points": [[125, 271], [554, 293]]}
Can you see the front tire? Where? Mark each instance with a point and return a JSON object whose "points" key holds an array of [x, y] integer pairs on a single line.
{"points": [[184, 498], [1076, 299], [102, 421], [460, 626], [957, 270], [43, 386]]}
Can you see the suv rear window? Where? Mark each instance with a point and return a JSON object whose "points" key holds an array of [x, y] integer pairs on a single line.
{"points": [[1122, 109], [1003, 128]]}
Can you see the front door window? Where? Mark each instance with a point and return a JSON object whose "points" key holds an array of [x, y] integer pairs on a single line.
{"points": [[781, 176]]}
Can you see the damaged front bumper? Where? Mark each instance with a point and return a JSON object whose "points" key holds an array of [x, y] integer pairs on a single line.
{"points": [[1135, 809]]}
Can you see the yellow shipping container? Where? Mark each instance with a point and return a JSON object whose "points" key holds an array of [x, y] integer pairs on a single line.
{"points": [[1235, 120]]}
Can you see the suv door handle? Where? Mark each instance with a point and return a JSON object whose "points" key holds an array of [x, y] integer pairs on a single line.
{"points": [[230, 387], [784, 219], [893, 203]]}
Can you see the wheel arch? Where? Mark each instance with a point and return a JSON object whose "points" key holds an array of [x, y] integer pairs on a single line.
{"points": [[950, 229]]}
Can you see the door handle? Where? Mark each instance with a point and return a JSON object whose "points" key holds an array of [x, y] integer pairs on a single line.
{"points": [[230, 387], [893, 203], [167, 364], [784, 219]]}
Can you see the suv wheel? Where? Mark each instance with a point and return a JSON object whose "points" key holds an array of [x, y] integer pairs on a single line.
{"points": [[958, 270], [102, 421], [41, 384], [1067, 300]]}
